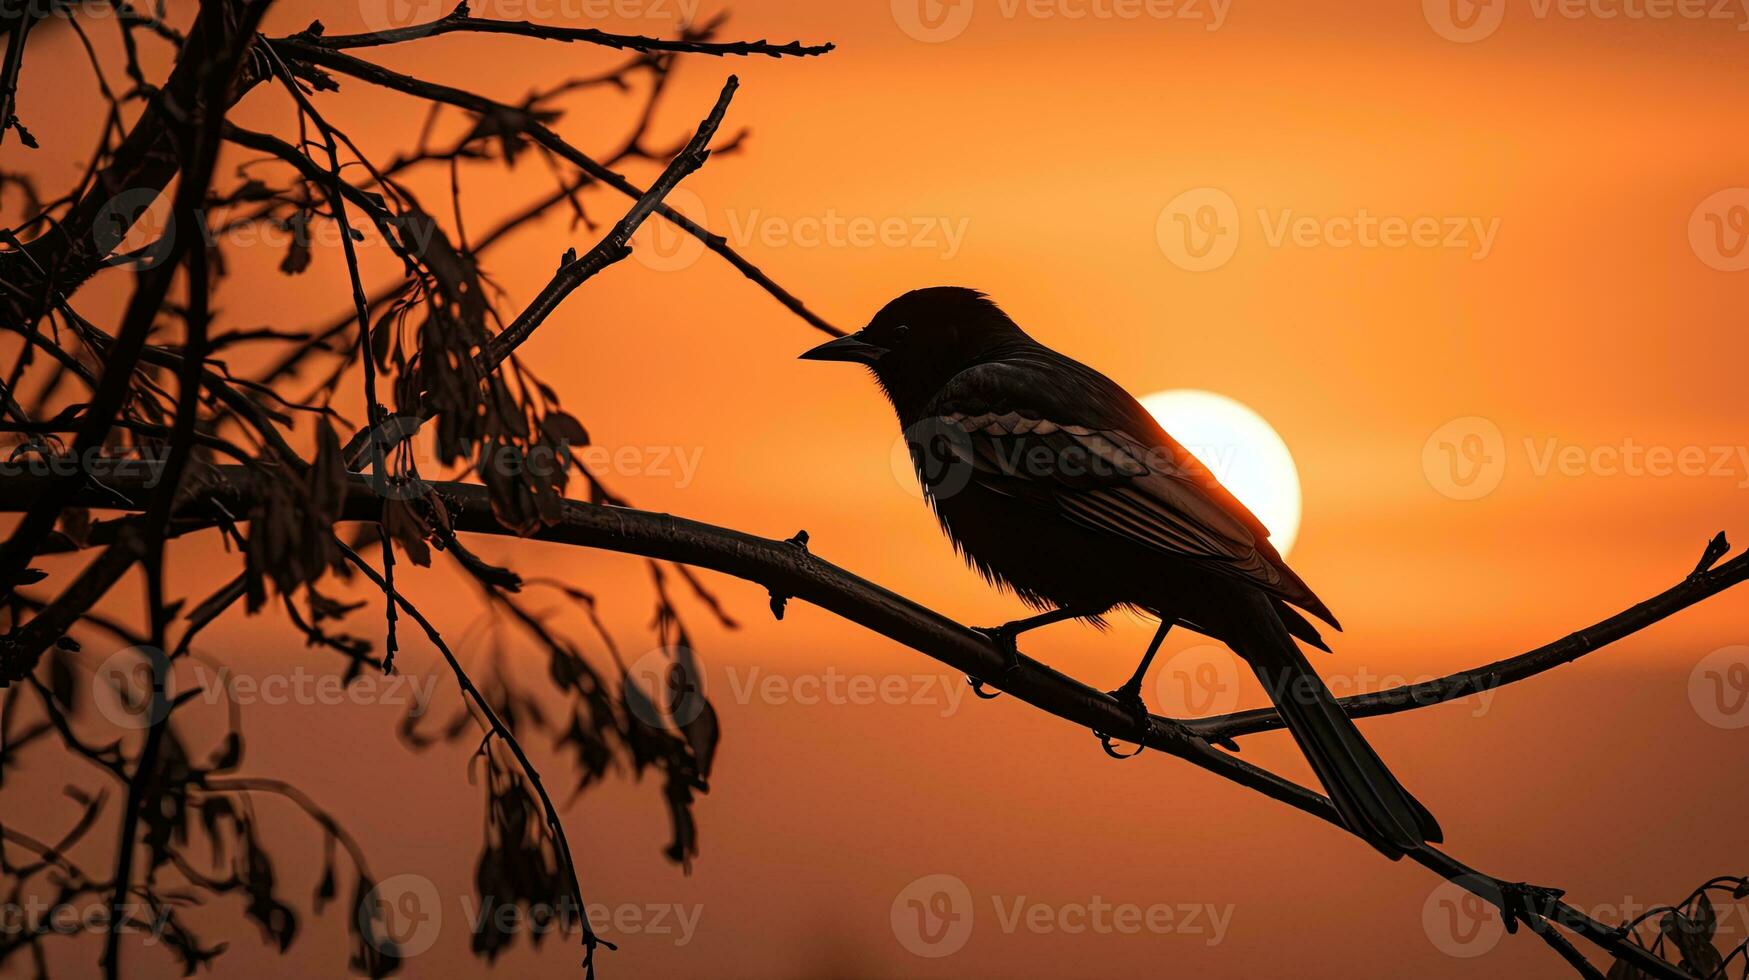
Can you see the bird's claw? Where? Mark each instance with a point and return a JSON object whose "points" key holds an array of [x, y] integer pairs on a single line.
{"points": [[978, 689], [1003, 638], [1131, 700]]}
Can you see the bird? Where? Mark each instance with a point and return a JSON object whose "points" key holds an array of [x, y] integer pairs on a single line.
{"points": [[1054, 483]]}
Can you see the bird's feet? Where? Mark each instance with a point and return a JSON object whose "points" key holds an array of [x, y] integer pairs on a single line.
{"points": [[1129, 697], [1003, 638]]}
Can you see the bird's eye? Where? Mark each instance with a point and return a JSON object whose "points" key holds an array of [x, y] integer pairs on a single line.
{"points": [[899, 332]]}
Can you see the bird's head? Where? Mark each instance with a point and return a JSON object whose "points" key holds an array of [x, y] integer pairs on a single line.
{"points": [[923, 338]]}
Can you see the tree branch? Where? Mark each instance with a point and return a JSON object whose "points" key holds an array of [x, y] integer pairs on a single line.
{"points": [[1705, 581], [52, 266], [575, 271], [302, 50], [789, 570], [460, 20]]}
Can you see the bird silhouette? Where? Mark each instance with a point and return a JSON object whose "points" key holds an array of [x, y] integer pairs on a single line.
{"points": [[1054, 482]]}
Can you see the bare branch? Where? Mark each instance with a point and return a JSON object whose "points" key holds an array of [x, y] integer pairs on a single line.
{"points": [[1704, 582], [575, 271], [300, 50], [460, 20]]}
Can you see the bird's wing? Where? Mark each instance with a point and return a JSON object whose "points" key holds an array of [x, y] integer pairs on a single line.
{"points": [[1059, 434]]}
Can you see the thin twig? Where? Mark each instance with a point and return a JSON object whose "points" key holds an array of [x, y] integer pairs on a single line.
{"points": [[505, 735], [460, 20], [346, 64]]}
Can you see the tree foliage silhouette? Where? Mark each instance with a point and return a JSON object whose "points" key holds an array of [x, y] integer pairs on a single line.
{"points": [[137, 434]]}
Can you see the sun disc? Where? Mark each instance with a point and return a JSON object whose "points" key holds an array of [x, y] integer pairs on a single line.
{"points": [[1243, 451]]}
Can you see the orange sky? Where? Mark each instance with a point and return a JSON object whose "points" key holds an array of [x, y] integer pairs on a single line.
{"points": [[1035, 155]]}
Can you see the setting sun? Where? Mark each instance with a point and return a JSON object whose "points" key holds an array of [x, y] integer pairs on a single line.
{"points": [[1242, 450]]}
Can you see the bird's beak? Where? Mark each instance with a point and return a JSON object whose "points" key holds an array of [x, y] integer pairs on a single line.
{"points": [[851, 348]]}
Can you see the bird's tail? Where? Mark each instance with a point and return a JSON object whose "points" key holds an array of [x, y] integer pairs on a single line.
{"points": [[1368, 797]]}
